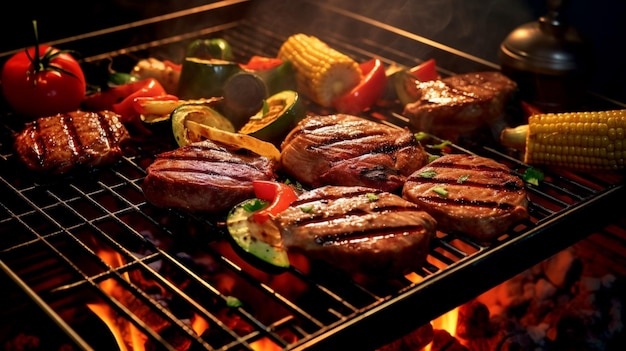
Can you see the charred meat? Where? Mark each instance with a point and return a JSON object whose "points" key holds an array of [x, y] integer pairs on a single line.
{"points": [[468, 194], [460, 105], [58, 143], [204, 177], [358, 229], [351, 151]]}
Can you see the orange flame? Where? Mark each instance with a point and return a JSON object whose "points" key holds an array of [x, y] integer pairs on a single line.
{"points": [[447, 321], [126, 335]]}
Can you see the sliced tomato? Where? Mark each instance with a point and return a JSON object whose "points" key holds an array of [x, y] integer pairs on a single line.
{"points": [[280, 196], [367, 92]]}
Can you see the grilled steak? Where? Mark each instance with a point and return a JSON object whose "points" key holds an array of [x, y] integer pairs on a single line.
{"points": [[473, 195], [204, 177], [461, 104], [358, 229], [58, 143], [352, 151]]}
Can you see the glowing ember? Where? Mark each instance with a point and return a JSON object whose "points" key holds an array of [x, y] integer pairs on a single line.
{"points": [[264, 344], [199, 324]]}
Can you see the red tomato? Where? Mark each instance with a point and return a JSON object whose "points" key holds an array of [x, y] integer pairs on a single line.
{"points": [[50, 83], [367, 92], [280, 194]]}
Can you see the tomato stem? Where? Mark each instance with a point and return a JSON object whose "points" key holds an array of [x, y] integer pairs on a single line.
{"points": [[43, 63], [36, 61]]}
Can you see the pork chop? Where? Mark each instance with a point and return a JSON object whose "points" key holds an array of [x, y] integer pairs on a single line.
{"points": [[350, 151], [56, 144], [358, 229], [473, 195], [204, 177]]}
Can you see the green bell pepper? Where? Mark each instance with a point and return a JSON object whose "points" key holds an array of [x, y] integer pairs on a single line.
{"points": [[216, 48]]}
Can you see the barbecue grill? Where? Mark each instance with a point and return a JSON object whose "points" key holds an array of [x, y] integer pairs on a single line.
{"points": [[78, 247]]}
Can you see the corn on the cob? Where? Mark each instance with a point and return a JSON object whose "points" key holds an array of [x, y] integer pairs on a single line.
{"points": [[585, 141], [322, 73]]}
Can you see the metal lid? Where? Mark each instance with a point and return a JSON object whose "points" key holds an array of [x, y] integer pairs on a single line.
{"points": [[547, 46]]}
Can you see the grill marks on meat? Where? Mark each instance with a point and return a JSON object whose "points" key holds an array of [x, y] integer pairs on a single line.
{"points": [[358, 229], [204, 177], [350, 151], [58, 143], [459, 105], [473, 195]]}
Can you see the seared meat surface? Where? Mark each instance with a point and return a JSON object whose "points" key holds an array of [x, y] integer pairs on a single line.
{"points": [[461, 104], [352, 151], [58, 143], [204, 177], [358, 229], [473, 195]]}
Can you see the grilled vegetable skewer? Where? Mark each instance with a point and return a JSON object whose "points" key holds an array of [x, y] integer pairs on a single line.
{"points": [[586, 141]]}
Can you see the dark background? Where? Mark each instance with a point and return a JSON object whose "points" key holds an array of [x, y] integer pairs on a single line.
{"points": [[473, 26]]}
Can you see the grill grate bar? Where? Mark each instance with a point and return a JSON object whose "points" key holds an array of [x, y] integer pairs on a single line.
{"points": [[176, 266], [43, 306]]}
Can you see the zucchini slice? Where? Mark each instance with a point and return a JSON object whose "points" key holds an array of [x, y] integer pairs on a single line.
{"points": [[200, 114], [280, 113], [202, 78], [260, 244]]}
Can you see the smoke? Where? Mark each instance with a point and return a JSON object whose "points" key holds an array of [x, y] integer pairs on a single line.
{"points": [[476, 27]]}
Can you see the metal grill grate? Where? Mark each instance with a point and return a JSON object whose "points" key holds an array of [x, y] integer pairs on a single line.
{"points": [[57, 233]]}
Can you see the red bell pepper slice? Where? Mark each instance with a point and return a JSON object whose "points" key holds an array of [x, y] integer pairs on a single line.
{"points": [[279, 194], [139, 102], [426, 71], [174, 66], [367, 92], [148, 87], [120, 99], [261, 63], [530, 109]]}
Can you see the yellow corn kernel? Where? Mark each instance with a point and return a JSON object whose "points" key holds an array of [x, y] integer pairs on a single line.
{"points": [[322, 73], [576, 140]]}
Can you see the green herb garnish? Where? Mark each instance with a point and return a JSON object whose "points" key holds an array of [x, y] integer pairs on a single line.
{"points": [[297, 186], [233, 302], [462, 178], [432, 157], [441, 145], [419, 136], [254, 205], [427, 174], [372, 197], [533, 176], [441, 191], [306, 208]]}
